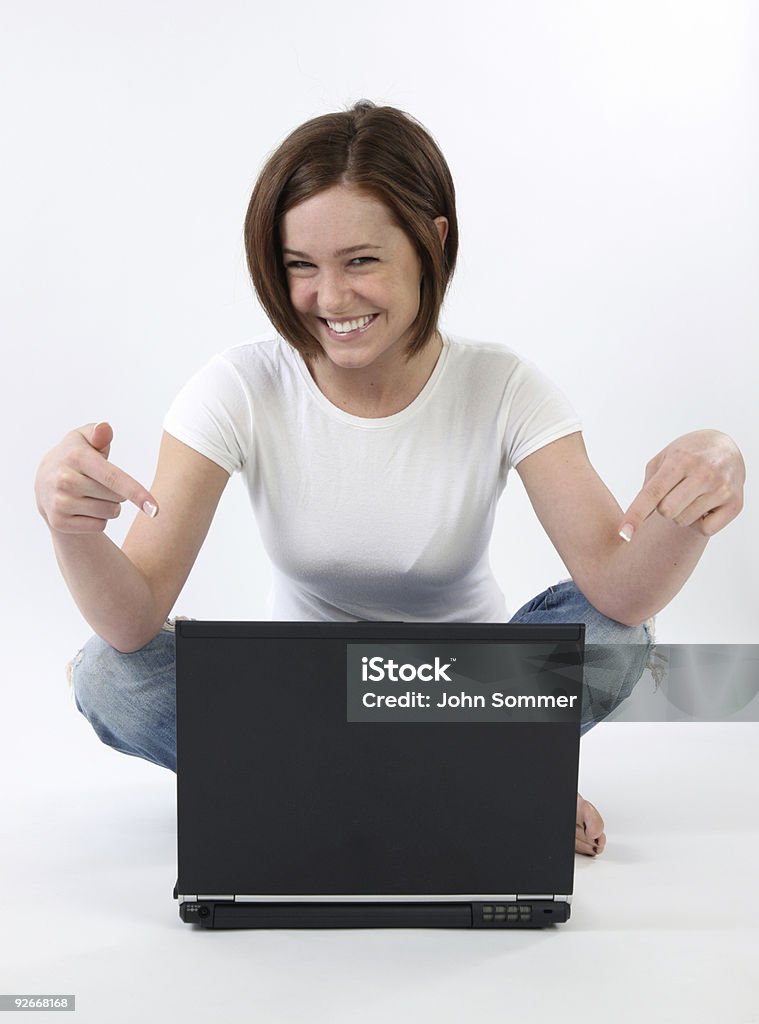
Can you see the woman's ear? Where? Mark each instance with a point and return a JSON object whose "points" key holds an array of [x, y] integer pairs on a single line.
{"points": [[441, 223]]}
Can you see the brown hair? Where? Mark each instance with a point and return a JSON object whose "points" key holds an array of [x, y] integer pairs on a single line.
{"points": [[382, 151]]}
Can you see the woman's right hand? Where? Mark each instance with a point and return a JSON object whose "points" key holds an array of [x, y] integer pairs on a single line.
{"points": [[78, 490]]}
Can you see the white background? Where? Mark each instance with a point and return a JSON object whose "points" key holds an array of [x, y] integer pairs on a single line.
{"points": [[605, 155]]}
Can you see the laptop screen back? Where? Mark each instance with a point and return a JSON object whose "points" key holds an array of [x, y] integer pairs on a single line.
{"points": [[280, 793]]}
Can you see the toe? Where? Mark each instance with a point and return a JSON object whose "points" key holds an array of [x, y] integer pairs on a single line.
{"points": [[590, 838]]}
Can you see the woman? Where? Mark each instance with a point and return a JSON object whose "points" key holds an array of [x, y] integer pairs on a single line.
{"points": [[374, 448]]}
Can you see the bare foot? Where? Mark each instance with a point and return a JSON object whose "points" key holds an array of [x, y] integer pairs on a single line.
{"points": [[590, 837]]}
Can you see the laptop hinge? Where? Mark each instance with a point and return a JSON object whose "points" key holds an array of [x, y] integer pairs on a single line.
{"points": [[544, 896], [183, 898], [364, 898]]}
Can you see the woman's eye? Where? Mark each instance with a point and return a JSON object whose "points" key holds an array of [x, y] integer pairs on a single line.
{"points": [[359, 261]]}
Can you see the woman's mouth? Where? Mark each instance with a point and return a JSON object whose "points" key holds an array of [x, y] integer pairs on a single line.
{"points": [[346, 329]]}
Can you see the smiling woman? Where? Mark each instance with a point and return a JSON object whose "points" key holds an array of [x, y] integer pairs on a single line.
{"points": [[374, 447], [384, 155]]}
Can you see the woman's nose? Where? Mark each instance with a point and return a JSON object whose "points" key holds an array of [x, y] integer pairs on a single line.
{"points": [[334, 293]]}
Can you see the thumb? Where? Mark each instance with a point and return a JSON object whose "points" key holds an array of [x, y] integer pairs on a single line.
{"points": [[101, 436]]}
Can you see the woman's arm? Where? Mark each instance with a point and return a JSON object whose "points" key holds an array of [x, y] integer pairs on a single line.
{"points": [[630, 582], [188, 487], [125, 594]]}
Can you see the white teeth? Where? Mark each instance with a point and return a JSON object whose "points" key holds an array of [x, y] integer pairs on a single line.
{"points": [[348, 325]]}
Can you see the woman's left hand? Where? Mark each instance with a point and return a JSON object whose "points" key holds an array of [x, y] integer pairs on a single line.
{"points": [[696, 482]]}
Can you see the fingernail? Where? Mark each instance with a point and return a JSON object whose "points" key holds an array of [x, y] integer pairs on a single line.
{"points": [[626, 532], [150, 509]]}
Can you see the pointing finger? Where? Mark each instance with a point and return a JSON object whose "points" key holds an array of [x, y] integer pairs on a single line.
{"points": [[648, 499], [123, 486]]}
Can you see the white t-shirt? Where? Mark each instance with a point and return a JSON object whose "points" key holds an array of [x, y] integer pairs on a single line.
{"points": [[384, 518]]}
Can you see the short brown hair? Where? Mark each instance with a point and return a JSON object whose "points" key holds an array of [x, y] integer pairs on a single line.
{"points": [[382, 151]]}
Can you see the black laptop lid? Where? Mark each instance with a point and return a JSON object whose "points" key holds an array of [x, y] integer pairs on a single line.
{"points": [[280, 794]]}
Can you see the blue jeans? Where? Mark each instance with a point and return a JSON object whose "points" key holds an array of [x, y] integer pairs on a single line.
{"points": [[130, 699]]}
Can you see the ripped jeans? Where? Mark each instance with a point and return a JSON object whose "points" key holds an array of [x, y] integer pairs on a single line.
{"points": [[130, 699]]}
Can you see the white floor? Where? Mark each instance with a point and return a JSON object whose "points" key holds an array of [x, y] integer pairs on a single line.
{"points": [[664, 925]]}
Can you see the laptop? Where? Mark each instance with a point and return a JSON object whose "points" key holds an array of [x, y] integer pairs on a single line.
{"points": [[376, 774]]}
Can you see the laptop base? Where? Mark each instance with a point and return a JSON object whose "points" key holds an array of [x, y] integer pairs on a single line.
{"points": [[231, 914]]}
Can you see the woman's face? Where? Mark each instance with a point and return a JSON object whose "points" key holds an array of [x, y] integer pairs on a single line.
{"points": [[353, 275]]}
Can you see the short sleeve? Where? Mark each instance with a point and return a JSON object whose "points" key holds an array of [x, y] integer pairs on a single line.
{"points": [[536, 413], [212, 414]]}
